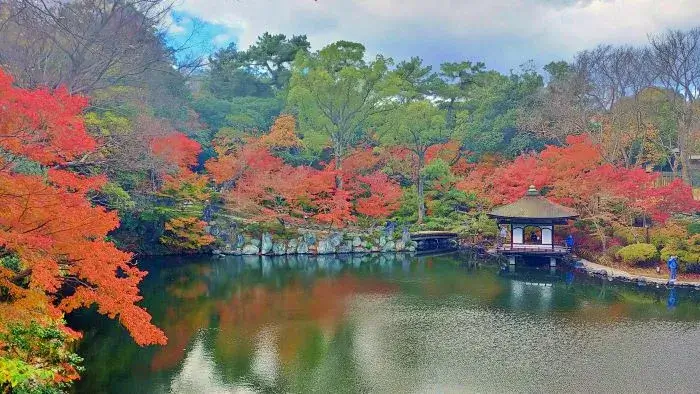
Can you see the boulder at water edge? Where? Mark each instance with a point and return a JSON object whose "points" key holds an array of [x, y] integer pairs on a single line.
{"points": [[302, 248], [279, 248], [412, 246], [325, 247], [336, 239], [250, 249], [292, 246], [266, 243], [310, 238], [390, 246], [405, 236]]}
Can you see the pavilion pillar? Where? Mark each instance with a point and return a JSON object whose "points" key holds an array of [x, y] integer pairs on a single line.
{"points": [[552, 236], [511, 236]]}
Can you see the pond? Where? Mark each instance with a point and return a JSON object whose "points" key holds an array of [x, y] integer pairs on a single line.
{"points": [[394, 324]]}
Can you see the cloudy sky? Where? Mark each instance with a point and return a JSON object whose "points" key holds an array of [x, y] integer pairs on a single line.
{"points": [[502, 33]]}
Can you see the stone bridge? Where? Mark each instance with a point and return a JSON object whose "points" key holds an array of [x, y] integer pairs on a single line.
{"points": [[432, 241]]}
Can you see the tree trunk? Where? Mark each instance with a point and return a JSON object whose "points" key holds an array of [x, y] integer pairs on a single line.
{"points": [[685, 168], [421, 192], [673, 163], [684, 156], [337, 152], [601, 234]]}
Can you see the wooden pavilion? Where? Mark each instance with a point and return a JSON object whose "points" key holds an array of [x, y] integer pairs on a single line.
{"points": [[529, 227]]}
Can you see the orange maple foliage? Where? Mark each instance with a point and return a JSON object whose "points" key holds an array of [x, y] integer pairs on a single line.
{"points": [[38, 125], [177, 149], [361, 161], [576, 175], [451, 152], [376, 195], [260, 186], [48, 222], [330, 204]]}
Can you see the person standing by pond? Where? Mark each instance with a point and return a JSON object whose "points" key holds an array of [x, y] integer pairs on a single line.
{"points": [[570, 242], [672, 269]]}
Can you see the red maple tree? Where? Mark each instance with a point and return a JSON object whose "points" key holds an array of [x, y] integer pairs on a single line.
{"points": [[577, 175], [49, 223], [259, 186], [177, 149]]}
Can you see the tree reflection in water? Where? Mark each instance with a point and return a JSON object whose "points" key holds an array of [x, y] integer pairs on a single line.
{"points": [[354, 323]]}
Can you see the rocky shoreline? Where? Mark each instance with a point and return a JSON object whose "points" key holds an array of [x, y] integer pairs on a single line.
{"points": [[314, 243], [613, 274], [309, 242]]}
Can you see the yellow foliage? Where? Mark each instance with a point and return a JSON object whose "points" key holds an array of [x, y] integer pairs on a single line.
{"points": [[186, 233], [282, 133]]}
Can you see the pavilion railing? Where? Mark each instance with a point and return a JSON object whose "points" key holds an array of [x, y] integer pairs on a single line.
{"points": [[533, 248]]}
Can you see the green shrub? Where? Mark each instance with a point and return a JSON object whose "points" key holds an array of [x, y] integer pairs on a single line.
{"points": [[694, 228], [688, 253], [11, 262], [639, 254], [36, 358], [668, 234], [689, 262], [629, 235], [114, 197]]}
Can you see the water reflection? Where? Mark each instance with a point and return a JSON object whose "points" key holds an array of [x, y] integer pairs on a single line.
{"points": [[392, 323], [672, 298]]}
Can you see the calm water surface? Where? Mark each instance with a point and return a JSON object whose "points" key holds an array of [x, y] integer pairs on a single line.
{"points": [[394, 324]]}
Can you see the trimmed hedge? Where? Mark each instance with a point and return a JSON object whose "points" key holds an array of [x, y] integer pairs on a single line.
{"points": [[688, 253], [639, 254]]}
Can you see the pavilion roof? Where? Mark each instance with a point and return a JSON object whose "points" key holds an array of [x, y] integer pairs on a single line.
{"points": [[533, 206]]}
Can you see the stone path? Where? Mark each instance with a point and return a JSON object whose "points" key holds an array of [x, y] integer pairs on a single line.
{"points": [[617, 274]]}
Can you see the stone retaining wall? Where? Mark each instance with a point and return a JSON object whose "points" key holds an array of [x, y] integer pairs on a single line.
{"points": [[312, 242]]}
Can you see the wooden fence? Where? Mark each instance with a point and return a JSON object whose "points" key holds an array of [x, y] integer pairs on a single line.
{"points": [[667, 177]]}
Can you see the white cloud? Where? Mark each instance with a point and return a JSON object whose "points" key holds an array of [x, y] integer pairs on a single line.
{"points": [[221, 39], [503, 33]]}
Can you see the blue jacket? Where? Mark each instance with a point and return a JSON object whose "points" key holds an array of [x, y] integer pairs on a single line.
{"points": [[673, 263], [570, 241]]}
